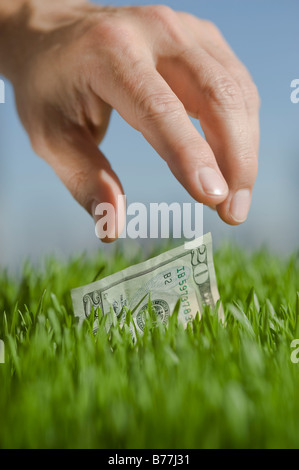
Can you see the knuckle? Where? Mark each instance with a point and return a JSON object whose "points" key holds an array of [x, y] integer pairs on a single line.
{"points": [[225, 92], [184, 15], [211, 27], [155, 105], [169, 21], [161, 13], [110, 32]]}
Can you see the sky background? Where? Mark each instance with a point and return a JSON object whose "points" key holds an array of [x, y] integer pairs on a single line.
{"points": [[38, 215]]}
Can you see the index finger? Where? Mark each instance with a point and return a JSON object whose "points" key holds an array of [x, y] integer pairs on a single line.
{"points": [[146, 101]]}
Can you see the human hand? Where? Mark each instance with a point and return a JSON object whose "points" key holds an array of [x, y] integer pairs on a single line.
{"points": [[71, 64]]}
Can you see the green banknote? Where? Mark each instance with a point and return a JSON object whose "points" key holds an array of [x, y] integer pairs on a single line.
{"points": [[184, 274]]}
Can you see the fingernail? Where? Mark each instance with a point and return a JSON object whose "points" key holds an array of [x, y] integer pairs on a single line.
{"points": [[239, 206], [212, 183]]}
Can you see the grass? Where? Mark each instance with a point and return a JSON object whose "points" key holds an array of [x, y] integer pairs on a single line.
{"points": [[208, 386]]}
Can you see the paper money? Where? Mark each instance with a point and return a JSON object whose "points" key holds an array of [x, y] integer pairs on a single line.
{"points": [[186, 273]]}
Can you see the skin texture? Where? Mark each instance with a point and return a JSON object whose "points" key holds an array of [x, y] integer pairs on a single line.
{"points": [[71, 64]]}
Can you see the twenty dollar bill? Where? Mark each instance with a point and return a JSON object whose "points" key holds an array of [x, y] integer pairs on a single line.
{"points": [[186, 273]]}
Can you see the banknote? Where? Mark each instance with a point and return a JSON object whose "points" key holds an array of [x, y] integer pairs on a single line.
{"points": [[185, 274]]}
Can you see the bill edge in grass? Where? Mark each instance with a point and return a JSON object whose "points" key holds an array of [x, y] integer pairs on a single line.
{"points": [[196, 276]]}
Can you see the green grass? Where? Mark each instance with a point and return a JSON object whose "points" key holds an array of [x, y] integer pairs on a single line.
{"points": [[208, 386]]}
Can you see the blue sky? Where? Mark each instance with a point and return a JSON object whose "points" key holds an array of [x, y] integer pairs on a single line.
{"points": [[39, 217]]}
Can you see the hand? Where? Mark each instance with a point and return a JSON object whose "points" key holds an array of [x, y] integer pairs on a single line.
{"points": [[154, 66]]}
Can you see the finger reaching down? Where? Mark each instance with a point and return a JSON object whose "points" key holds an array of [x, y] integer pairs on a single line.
{"points": [[149, 105]]}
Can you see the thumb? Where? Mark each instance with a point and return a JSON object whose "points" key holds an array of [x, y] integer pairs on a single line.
{"points": [[88, 175]]}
